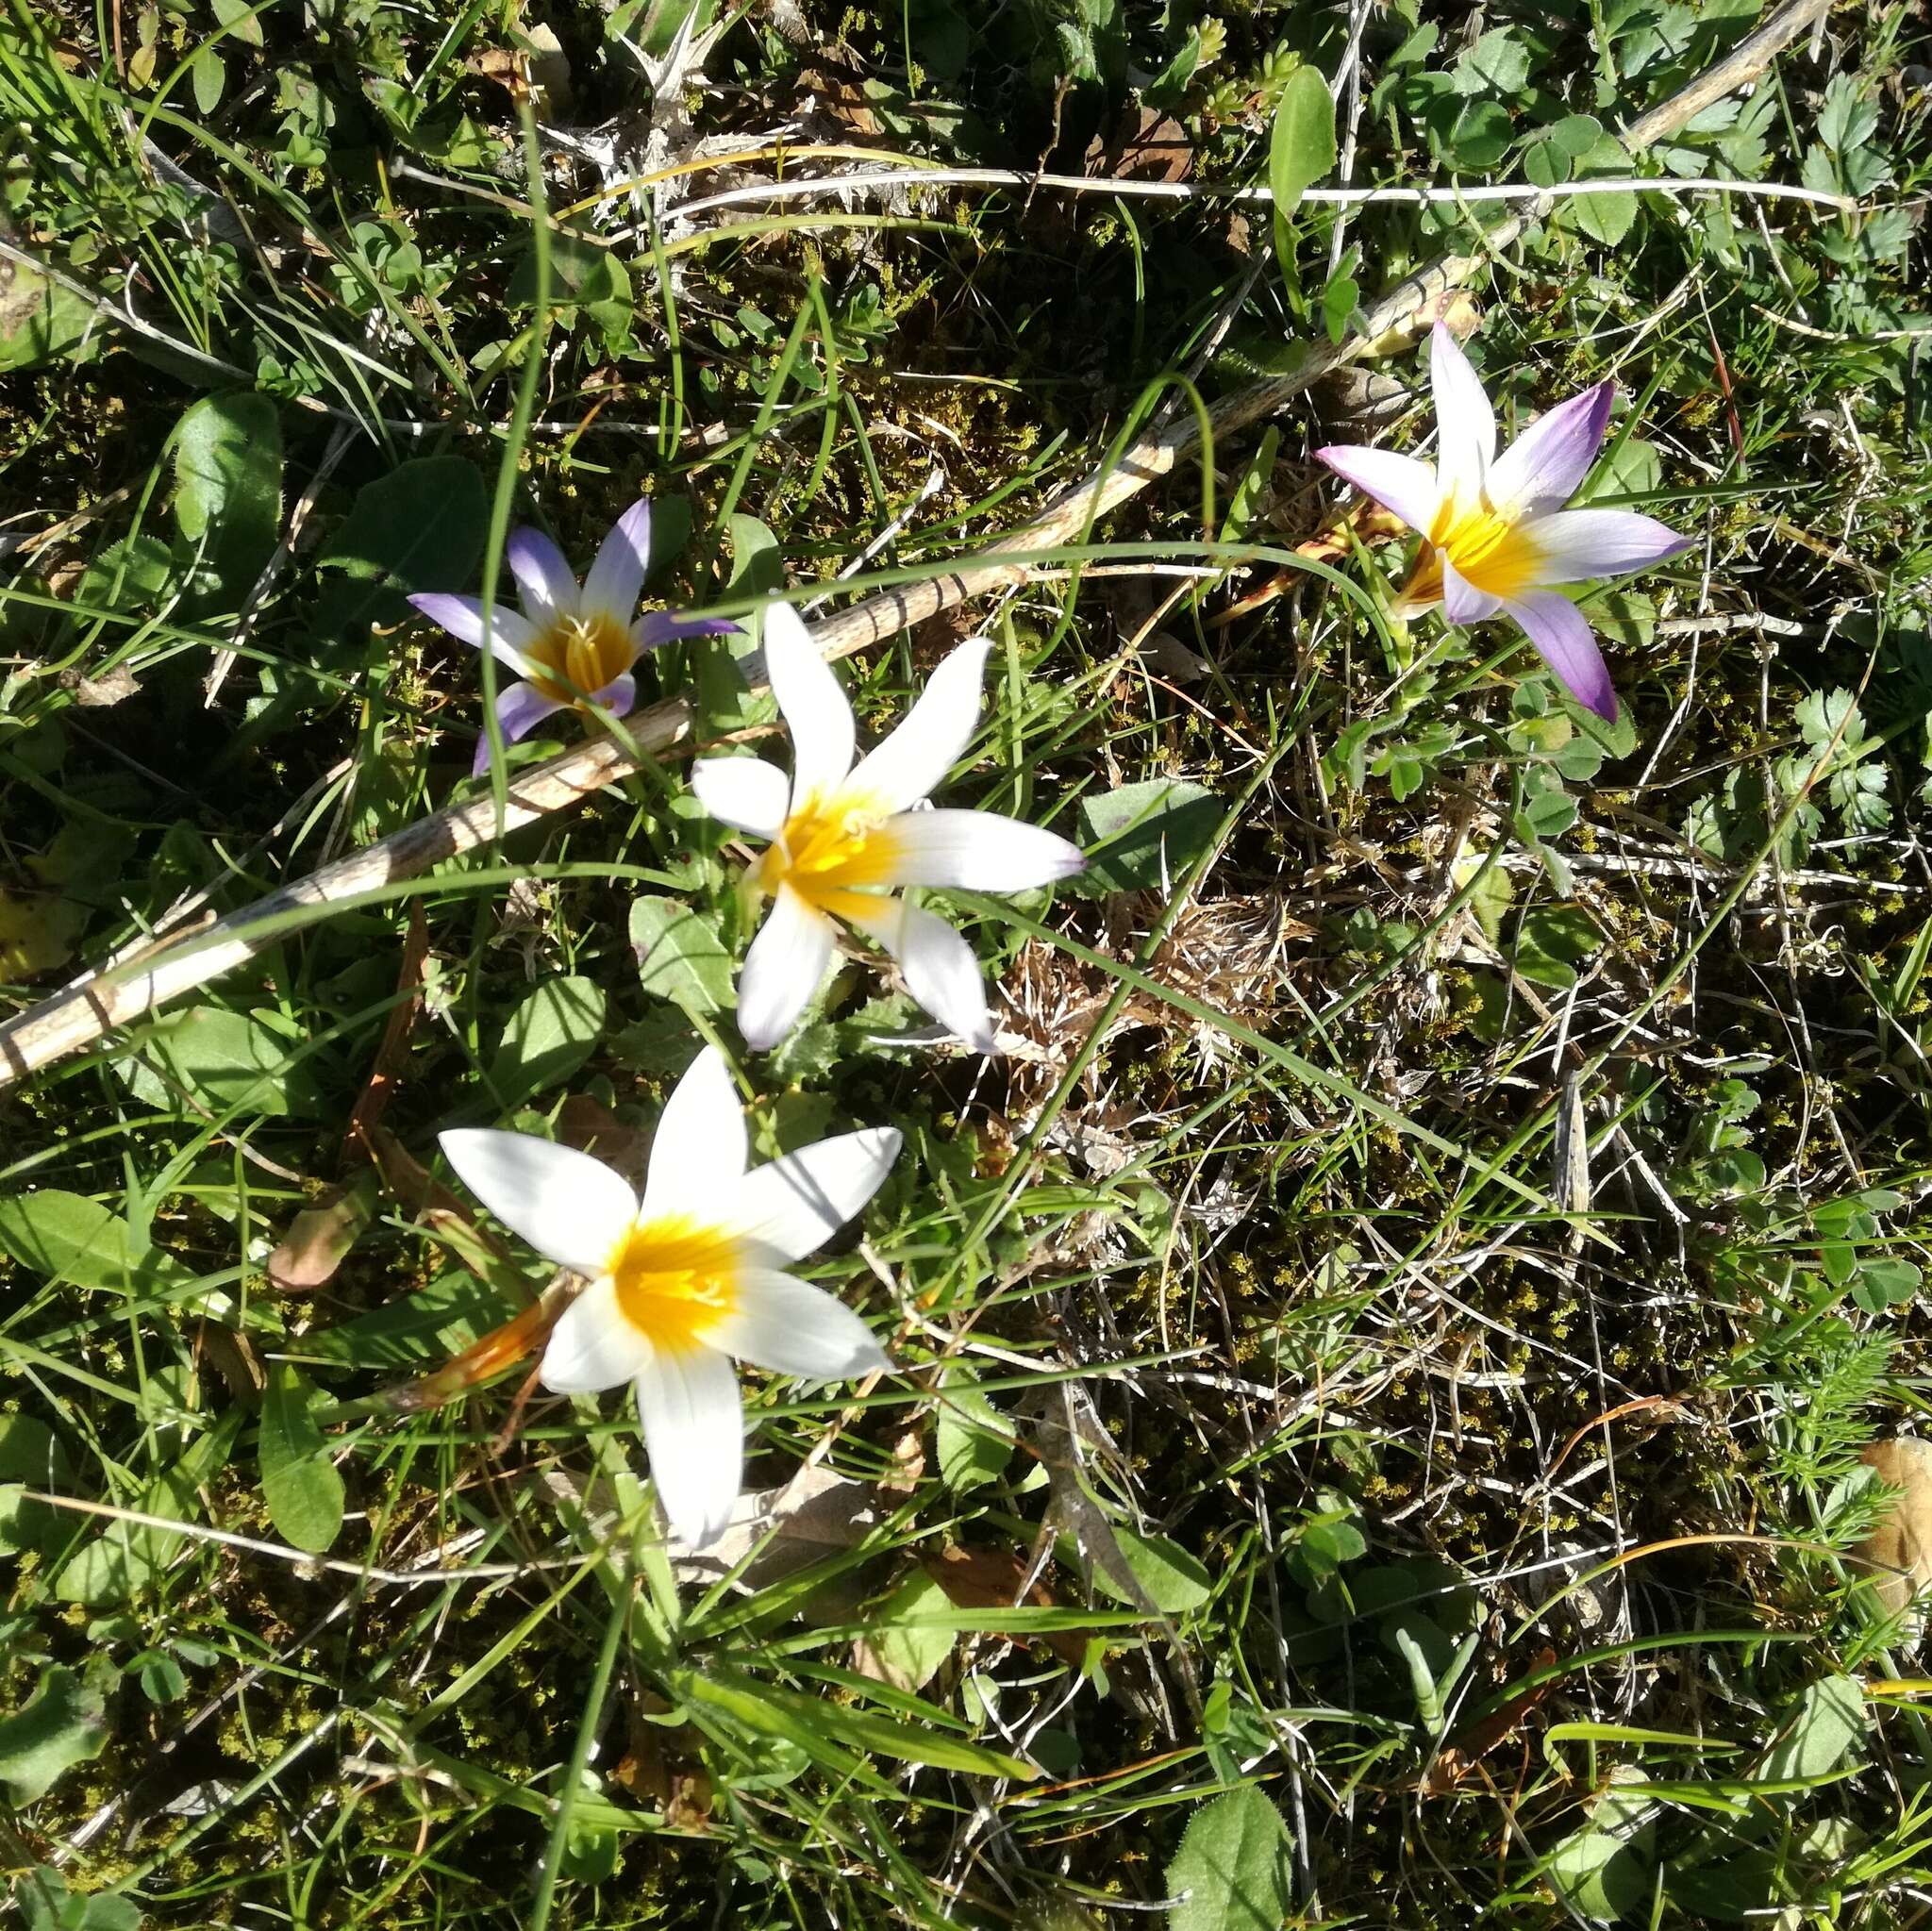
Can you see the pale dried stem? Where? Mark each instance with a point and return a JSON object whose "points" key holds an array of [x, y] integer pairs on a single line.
{"points": [[82, 1013]]}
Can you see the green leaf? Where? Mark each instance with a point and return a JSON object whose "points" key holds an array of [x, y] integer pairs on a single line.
{"points": [[136, 574], [1232, 1871], [670, 533], [45, 1904], [67, 1237], [1147, 833], [1301, 147], [1339, 300], [1173, 1580], [1552, 942], [1632, 471], [300, 1483], [1825, 716], [31, 1458], [1827, 1725], [416, 1329], [229, 492], [1885, 1283], [1846, 119], [236, 1059], [549, 1036], [39, 321], [1548, 815], [240, 16], [1604, 1873], [64, 1722], [1477, 133], [680, 956], [905, 1646], [758, 564], [976, 1440], [1498, 63], [420, 528], [1251, 492], [209, 74], [1605, 218], [130, 1555], [812, 1723], [1325, 1546]]}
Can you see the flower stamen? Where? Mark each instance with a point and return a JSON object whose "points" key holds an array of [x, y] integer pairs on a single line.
{"points": [[578, 654], [674, 1279]]}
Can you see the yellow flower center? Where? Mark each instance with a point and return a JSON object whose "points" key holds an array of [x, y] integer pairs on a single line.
{"points": [[576, 657], [828, 849], [675, 1278], [1486, 547]]}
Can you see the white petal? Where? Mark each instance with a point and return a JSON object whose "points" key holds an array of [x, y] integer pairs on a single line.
{"points": [[742, 792], [1462, 601], [815, 708], [928, 739], [938, 967], [593, 1346], [571, 1209], [694, 1431], [544, 578], [1573, 545], [978, 850], [511, 634], [1465, 422], [700, 1143], [617, 577], [1403, 484], [1541, 469], [782, 1323], [796, 1203], [782, 970]]}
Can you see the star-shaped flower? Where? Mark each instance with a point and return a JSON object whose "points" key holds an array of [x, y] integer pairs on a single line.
{"points": [[572, 646], [690, 1277], [845, 838], [1496, 536]]}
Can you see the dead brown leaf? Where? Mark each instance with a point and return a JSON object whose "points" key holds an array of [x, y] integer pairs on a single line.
{"points": [[593, 1128], [1143, 146], [372, 1101], [813, 1515], [1452, 306], [235, 1359], [1899, 1547], [983, 1578], [663, 1765], [840, 99], [483, 1360], [1462, 1752], [319, 1237], [97, 693]]}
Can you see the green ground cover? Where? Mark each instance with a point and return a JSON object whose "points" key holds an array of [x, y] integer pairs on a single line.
{"points": [[1381, 1352]]}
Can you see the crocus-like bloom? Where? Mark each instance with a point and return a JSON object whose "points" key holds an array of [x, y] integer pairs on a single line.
{"points": [[1495, 534], [691, 1276], [843, 838], [571, 645]]}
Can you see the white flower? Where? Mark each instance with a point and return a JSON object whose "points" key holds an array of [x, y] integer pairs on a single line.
{"points": [[843, 838], [690, 1277]]}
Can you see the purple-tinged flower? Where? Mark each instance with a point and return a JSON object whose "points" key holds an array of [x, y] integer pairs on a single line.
{"points": [[573, 647], [1496, 537]]}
